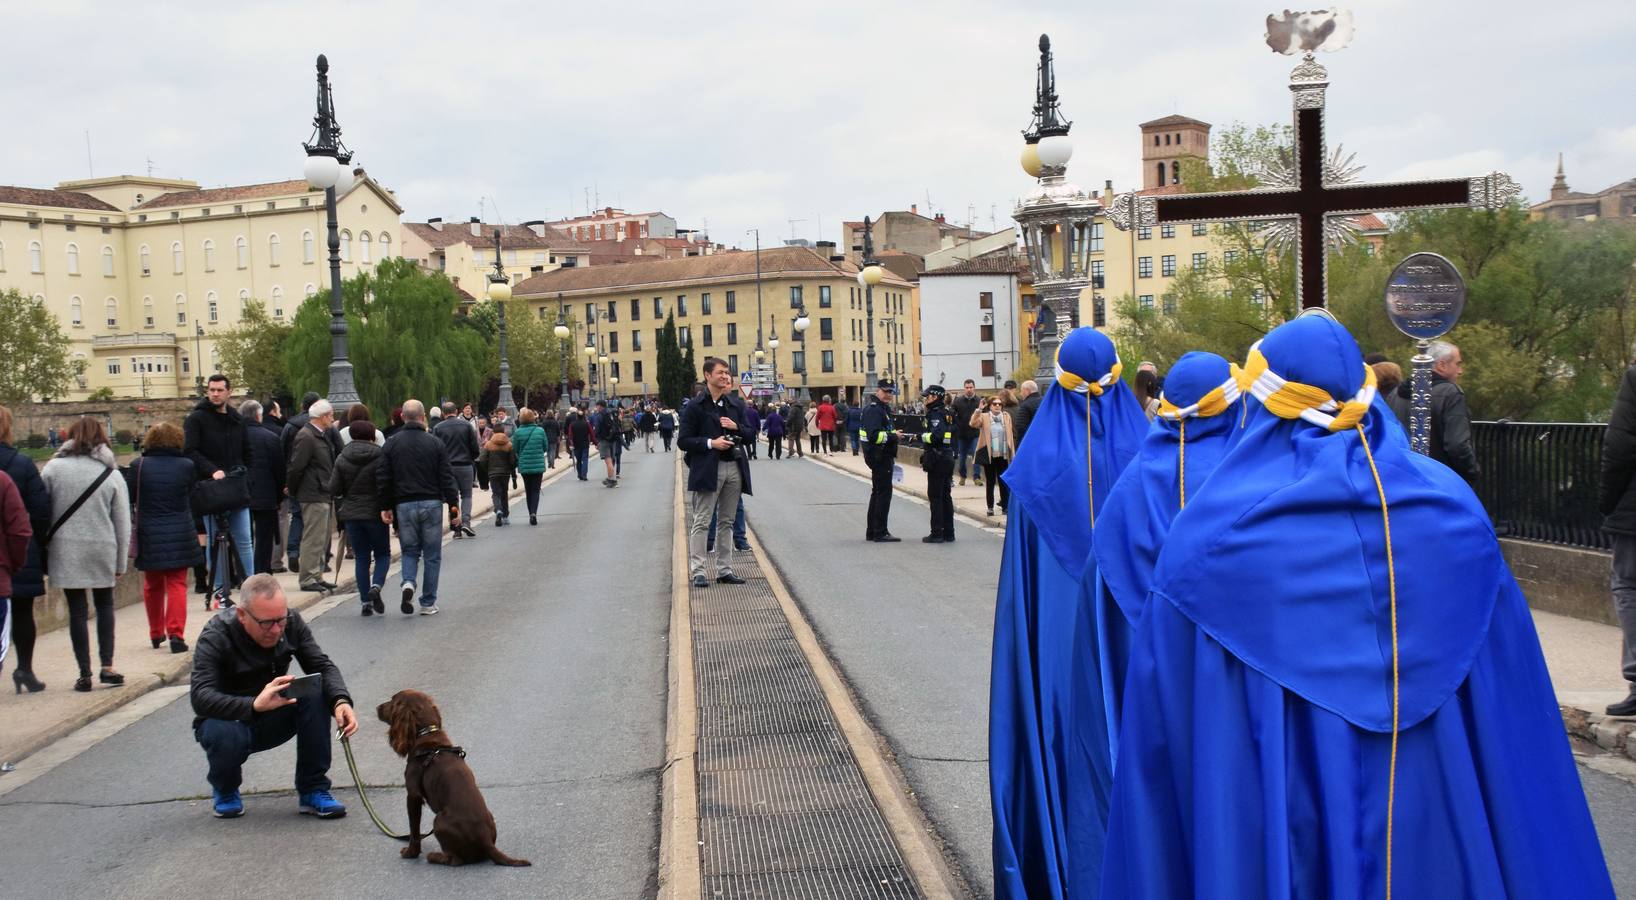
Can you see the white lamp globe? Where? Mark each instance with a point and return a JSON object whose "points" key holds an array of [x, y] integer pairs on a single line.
{"points": [[614, 379], [603, 359], [1055, 150], [499, 291], [801, 323], [871, 275], [562, 332], [321, 171], [1031, 160], [772, 343], [760, 353], [344, 178], [590, 351]]}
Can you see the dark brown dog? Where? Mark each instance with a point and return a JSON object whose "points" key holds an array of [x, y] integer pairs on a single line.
{"points": [[437, 775]]}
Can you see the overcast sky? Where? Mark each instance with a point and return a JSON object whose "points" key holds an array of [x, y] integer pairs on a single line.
{"points": [[752, 114]]}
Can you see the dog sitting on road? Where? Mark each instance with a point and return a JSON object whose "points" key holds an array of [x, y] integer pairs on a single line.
{"points": [[437, 775]]}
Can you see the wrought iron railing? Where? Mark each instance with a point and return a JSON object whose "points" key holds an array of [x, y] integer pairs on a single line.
{"points": [[1540, 480]]}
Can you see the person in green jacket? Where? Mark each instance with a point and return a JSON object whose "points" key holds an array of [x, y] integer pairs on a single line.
{"points": [[530, 444]]}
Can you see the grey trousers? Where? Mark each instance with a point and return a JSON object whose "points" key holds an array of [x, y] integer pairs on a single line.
{"points": [[463, 478], [722, 503], [1624, 599], [317, 527]]}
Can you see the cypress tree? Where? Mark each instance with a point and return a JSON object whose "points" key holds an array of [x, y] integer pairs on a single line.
{"points": [[672, 383]]}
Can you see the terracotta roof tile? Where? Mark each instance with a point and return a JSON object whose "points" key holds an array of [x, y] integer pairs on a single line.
{"points": [[45, 197], [1172, 120], [230, 194], [999, 262], [1370, 222], [645, 273], [512, 237]]}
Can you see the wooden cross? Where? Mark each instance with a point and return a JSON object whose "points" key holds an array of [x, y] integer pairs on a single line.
{"points": [[1314, 197]]}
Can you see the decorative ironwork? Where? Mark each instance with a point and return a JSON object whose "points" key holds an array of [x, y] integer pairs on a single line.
{"points": [[1495, 190], [1047, 120], [1541, 481]]}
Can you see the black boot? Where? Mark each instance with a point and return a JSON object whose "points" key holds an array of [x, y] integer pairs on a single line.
{"points": [[1625, 707]]}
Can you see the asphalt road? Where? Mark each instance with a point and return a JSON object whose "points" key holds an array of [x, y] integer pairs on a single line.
{"points": [[910, 625], [548, 663]]}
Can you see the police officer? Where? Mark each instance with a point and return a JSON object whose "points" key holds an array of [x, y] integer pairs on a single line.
{"points": [[937, 458], [879, 437]]}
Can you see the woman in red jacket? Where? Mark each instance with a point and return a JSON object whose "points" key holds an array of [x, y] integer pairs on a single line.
{"points": [[826, 423], [14, 534]]}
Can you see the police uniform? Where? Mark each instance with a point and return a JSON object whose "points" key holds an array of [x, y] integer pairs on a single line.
{"points": [[937, 458], [880, 452]]}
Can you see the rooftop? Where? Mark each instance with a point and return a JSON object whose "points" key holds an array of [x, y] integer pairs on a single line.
{"points": [[1169, 121], [230, 194], [998, 262], [647, 273], [512, 237], [46, 197]]}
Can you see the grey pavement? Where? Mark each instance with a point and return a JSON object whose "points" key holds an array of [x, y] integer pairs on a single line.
{"points": [[910, 625], [548, 663]]}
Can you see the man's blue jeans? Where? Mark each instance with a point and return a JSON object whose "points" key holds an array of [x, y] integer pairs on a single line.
{"points": [[369, 539], [582, 462], [238, 527], [228, 743], [963, 449], [420, 532], [739, 540], [292, 538]]}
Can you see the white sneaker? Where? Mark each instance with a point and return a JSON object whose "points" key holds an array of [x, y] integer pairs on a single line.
{"points": [[408, 605], [429, 610]]}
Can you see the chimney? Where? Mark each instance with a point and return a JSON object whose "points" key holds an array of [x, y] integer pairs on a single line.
{"points": [[437, 223], [537, 226], [939, 218], [914, 210], [476, 227], [535, 270]]}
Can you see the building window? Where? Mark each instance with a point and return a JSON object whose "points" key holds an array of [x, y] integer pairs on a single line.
{"points": [[1167, 265], [636, 308], [613, 310], [244, 303], [823, 299], [1144, 232], [732, 302], [707, 336], [73, 259], [1144, 267], [147, 312], [988, 368], [795, 296], [1169, 304], [76, 312], [346, 246], [1097, 270], [111, 308], [798, 361], [107, 262], [658, 307], [386, 246], [1200, 229], [511, 255], [590, 313], [278, 303], [636, 370], [1175, 172], [704, 304], [613, 342], [241, 249], [1229, 256], [212, 310], [181, 310], [636, 337], [309, 290], [187, 364], [985, 300], [827, 360], [113, 367], [1145, 301], [364, 246], [34, 257], [985, 333], [210, 256], [1201, 260], [1096, 237], [1099, 312], [826, 329], [308, 249], [272, 250], [682, 336], [681, 306], [1167, 231]]}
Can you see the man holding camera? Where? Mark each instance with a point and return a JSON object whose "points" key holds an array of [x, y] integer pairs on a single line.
{"points": [[213, 436], [717, 471], [237, 712]]}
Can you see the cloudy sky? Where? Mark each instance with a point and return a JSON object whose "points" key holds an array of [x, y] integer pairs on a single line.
{"points": [[739, 115]]}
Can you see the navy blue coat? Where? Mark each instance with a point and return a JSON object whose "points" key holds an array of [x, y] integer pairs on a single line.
{"points": [[700, 425], [28, 581], [266, 467], [159, 485]]}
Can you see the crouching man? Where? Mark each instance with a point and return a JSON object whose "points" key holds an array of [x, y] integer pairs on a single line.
{"points": [[238, 712]]}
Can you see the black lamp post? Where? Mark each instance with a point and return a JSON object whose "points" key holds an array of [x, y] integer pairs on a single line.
{"points": [[500, 292], [563, 333], [799, 323], [869, 276], [772, 344], [759, 353], [327, 169], [198, 358]]}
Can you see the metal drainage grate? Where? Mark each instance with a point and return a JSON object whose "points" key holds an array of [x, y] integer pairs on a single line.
{"points": [[783, 808]]}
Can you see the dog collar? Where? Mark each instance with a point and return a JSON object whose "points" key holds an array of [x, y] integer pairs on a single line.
{"points": [[427, 729]]}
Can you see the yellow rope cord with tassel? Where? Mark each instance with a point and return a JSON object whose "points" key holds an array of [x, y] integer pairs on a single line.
{"points": [[1391, 581], [1181, 462], [1090, 473]]}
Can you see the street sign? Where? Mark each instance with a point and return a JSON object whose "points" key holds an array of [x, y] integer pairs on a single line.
{"points": [[746, 378]]}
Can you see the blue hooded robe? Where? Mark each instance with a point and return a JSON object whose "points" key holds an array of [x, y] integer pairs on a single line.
{"points": [[1287, 641], [1056, 482]]}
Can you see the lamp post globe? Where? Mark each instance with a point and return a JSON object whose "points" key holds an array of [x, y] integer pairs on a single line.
{"points": [[590, 351], [561, 331], [871, 275], [772, 342], [500, 292], [801, 322], [602, 360], [321, 171], [1055, 150], [760, 353]]}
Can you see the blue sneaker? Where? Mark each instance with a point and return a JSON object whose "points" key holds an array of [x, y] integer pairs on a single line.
{"points": [[226, 805], [322, 805]]}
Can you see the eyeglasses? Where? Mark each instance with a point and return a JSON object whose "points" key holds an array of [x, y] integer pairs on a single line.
{"points": [[269, 624]]}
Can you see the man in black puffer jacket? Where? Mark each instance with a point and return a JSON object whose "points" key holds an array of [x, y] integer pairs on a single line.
{"points": [[1450, 419], [1618, 506], [214, 438], [266, 483]]}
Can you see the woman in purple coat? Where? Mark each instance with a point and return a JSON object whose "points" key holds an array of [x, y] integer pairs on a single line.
{"points": [[773, 425]]}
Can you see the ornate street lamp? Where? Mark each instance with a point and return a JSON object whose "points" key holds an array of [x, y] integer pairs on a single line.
{"points": [[772, 344], [800, 323], [500, 292], [1055, 220], [198, 359], [869, 276], [563, 333], [590, 362], [327, 169]]}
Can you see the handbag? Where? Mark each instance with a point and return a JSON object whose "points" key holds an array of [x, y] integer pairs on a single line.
{"points": [[45, 543], [219, 495]]}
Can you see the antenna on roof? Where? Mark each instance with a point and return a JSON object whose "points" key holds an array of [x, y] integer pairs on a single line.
{"points": [[150, 167], [89, 165]]}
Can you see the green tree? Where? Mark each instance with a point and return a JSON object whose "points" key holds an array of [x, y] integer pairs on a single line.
{"points": [[253, 352], [673, 383], [690, 368], [403, 339], [532, 347], [35, 351], [1028, 365]]}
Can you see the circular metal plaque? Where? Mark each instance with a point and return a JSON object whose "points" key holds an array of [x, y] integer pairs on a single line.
{"points": [[1425, 296]]}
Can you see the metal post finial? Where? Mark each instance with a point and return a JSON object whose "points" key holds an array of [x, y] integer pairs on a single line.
{"points": [[1047, 119]]}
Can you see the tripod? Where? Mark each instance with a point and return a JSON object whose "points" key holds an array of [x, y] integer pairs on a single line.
{"points": [[220, 558]]}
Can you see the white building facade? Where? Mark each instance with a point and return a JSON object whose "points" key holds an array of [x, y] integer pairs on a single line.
{"points": [[968, 323]]}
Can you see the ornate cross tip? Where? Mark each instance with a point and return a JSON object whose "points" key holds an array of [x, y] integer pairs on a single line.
{"points": [[1302, 32], [1495, 190], [1129, 211]]}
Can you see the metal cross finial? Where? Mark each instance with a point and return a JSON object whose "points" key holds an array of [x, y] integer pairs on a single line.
{"points": [[326, 137], [1047, 113], [868, 242]]}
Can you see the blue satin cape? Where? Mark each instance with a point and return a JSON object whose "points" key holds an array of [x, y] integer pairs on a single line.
{"points": [[1047, 549], [1257, 715]]}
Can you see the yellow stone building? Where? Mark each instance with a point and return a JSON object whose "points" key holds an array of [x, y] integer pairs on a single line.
{"points": [[143, 273], [464, 251], [713, 299]]}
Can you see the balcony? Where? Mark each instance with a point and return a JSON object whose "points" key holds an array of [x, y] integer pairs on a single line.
{"points": [[165, 339]]}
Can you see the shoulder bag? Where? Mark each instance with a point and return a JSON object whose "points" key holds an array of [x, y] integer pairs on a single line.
{"points": [[219, 495], [45, 543]]}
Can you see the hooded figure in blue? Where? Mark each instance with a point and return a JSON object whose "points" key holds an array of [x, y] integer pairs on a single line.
{"points": [[1088, 428], [1336, 690]]}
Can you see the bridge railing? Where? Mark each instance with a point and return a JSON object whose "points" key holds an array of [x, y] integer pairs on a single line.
{"points": [[1540, 480]]}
